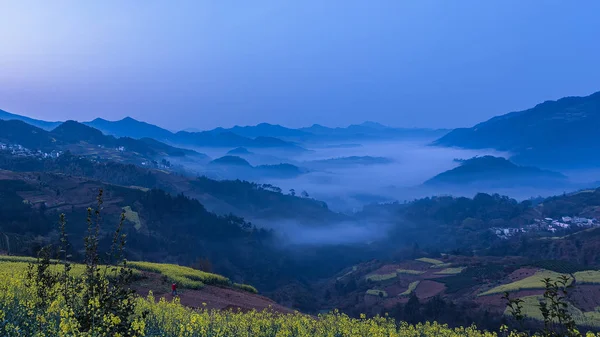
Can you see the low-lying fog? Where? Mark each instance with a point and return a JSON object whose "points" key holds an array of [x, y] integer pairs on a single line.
{"points": [[347, 186]]}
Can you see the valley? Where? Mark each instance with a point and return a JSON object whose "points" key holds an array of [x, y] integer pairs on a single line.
{"points": [[313, 228]]}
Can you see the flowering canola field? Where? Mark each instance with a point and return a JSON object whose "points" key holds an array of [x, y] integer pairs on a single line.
{"points": [[21, 316]]}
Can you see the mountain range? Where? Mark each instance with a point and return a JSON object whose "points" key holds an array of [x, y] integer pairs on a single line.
{"points": [[4, 115], [80, 138], [553, 134], [263, 135], [238, 167]]}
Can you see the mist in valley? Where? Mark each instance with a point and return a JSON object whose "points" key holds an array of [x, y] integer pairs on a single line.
{"points": [[350, 175], [347, 187]]}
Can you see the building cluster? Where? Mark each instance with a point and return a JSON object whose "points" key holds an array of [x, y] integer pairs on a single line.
{"points": [[547, 225], [21, 151]]}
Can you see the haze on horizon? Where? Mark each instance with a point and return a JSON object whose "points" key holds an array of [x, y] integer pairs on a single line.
{"points": [[205, 64]]}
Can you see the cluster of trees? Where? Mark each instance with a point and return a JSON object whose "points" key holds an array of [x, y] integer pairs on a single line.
{"points": [[443, 311]]}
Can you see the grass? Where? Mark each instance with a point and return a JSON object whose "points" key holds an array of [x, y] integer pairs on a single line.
{"points": [[185, 277], [376, 292], [411, 287], [409, 272], [133, 217], [531, 309], [451, 271], [441, 265], [532, 282], [11, 258], [245, 287], [430, 261], [587, 277], [381, 277], [16, 265]]}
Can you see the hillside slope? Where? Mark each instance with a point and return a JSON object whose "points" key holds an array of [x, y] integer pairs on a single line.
{"points": [[243, 198], [561, 134], [82, 139], [492, 171], [4, 115]]}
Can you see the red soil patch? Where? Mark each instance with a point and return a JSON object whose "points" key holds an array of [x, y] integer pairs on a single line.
{"points": [[387, 269], [390, 303], [427, 289], [414, 265], [214, 297], [396, 288], [585, 296]]}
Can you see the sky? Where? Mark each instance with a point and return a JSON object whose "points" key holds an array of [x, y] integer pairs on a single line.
{"points": [[202, 64]]}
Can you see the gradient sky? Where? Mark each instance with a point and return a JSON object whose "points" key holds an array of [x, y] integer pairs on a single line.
{"points": [[214, 63]]}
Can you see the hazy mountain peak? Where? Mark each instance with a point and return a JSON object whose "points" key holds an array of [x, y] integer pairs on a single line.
{"points": [[560, 133], [374, 125]]}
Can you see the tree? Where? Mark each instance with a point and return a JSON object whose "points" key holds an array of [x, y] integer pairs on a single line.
{"points": [[292, 192], [304, 194], [412, 309], [107, 286]]}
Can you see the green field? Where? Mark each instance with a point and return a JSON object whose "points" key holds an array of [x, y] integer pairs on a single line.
{"points": [[409, 272], [441, 265], [185, 277], [381, 277], [411, 288], [531, 309], [17, 265], [430, 261], [133, 217], [532, 282], [11, 258], [588, 277], [451, 271], [376, 292]]}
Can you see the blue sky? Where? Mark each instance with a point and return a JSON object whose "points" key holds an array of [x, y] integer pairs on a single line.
{"points": [[219, 63]]}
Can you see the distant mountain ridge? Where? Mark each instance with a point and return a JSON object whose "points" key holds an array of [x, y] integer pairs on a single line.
{"points": [[129, 127], [554, 134], [496, 171], [371, 131], [4, 115], [74, 136], [263, 135], [241, 166]]}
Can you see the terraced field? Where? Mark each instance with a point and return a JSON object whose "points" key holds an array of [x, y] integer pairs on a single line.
{"points": [[531, 309], [132, 216], [376, 292], [531, 282], [381, 277], [409, 272], [411, 288], [587, 277], [451, 271], [185, 277], [429, 260]]}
